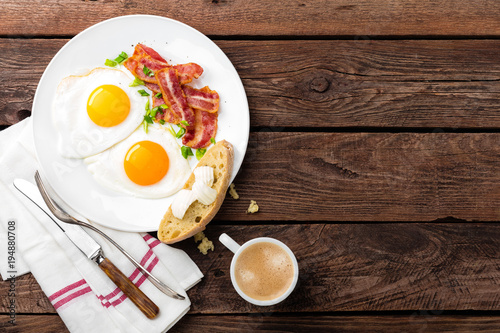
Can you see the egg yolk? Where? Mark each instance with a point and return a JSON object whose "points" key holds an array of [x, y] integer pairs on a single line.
{"points": [[108, 105], [146, 163]]}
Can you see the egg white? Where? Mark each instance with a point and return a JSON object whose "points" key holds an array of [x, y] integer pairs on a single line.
{"points": [[78, 136], [108, 170]]}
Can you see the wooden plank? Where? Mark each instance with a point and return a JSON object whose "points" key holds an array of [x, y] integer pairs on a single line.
{"points": [[416, 322], [27, 323], [29, 297], [368, 177], [434, 84], [348, 267], [287, 17]]}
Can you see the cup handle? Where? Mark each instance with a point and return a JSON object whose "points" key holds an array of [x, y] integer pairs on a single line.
{"points": [[229, 243]]}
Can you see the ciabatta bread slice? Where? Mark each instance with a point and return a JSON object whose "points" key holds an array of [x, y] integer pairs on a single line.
{"points": [[220, 158]]}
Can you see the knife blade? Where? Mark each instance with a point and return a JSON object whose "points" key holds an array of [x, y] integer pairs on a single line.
{"points": [[90, 248], [75, 233]]}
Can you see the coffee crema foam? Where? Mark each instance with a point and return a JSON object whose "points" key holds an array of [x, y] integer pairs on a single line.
{"points": [[264, 271]]}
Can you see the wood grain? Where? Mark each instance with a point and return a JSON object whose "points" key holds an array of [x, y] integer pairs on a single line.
{"points": [[287, 17], [143, 302], [328, 84], [26, 323], [348, 267], [421, 321], [436, 84], [368, 177], [416, 322]]}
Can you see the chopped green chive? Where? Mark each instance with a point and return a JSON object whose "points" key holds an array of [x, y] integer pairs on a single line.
{"points": [[145, 126], [171, 130], [164, 106], [200, 152], [148, 119], [136, 82], [162, 121], [158, 95], [147, 106], [143, 92], [181, 132], [212, 140], [186, 151], [121, 58], [154, 111], [147, 71], [183, 122], [110, 63]]}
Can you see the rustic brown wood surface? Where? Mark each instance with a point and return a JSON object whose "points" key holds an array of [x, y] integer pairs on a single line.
{"points": [[265, 18], [327, 84], [374, 154], [420, 321], [369, 177], [347, 267]]}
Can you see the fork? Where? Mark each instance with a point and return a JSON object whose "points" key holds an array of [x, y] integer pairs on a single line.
{"points": [[65, 217]]}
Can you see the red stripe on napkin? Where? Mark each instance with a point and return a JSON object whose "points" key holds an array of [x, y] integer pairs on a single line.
{"points": [[69, 292], [138, 283], [72, 296], [151, 241], [105, 300], [66, 289]]}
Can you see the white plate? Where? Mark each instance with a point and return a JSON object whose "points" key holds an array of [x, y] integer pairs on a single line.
{"points": [[177, 43]]}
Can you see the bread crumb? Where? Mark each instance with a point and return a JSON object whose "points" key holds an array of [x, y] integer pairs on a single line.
{"points": [[253, 208], [232, 192], [205, 245], [199, 236]]}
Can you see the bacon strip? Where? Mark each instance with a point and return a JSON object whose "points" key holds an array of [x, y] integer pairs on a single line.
{"points": [[205, 128], [146, 57], [143, 49], [130, 64], [202, 99], [188, 72], [139, 72], [166, 114], [153, 87], [173, 95]]}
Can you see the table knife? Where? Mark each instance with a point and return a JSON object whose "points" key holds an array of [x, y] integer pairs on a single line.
{"points": [[92, 250]]}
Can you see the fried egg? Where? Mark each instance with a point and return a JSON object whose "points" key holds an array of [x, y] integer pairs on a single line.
{"points": [[146, 165], [92, 112]]}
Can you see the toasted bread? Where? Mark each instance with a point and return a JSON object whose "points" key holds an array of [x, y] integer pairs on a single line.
{"points": [[220, 158]]}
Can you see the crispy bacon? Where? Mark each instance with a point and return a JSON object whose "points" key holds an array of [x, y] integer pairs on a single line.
{"points": [[188, 72], [131, 64], [198, 107], [202, 99], [153, 87], [173, 95], [141, 49], [147, 57], [166, 114], [205, 128], [152, 64]]}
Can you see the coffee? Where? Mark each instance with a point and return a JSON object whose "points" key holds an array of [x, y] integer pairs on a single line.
{"points": [[264, 271]]}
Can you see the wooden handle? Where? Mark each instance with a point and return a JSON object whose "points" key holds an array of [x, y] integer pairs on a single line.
{"points": [[142, 301]]}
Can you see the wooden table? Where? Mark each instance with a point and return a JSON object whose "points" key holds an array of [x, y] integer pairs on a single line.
{"points": [[374, 154]]}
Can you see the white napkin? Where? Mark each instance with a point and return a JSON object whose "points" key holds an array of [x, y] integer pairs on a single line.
{"points": [[85, 298]]}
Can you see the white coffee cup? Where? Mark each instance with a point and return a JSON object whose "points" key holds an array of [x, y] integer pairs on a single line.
{"points": [[237, 250]]}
